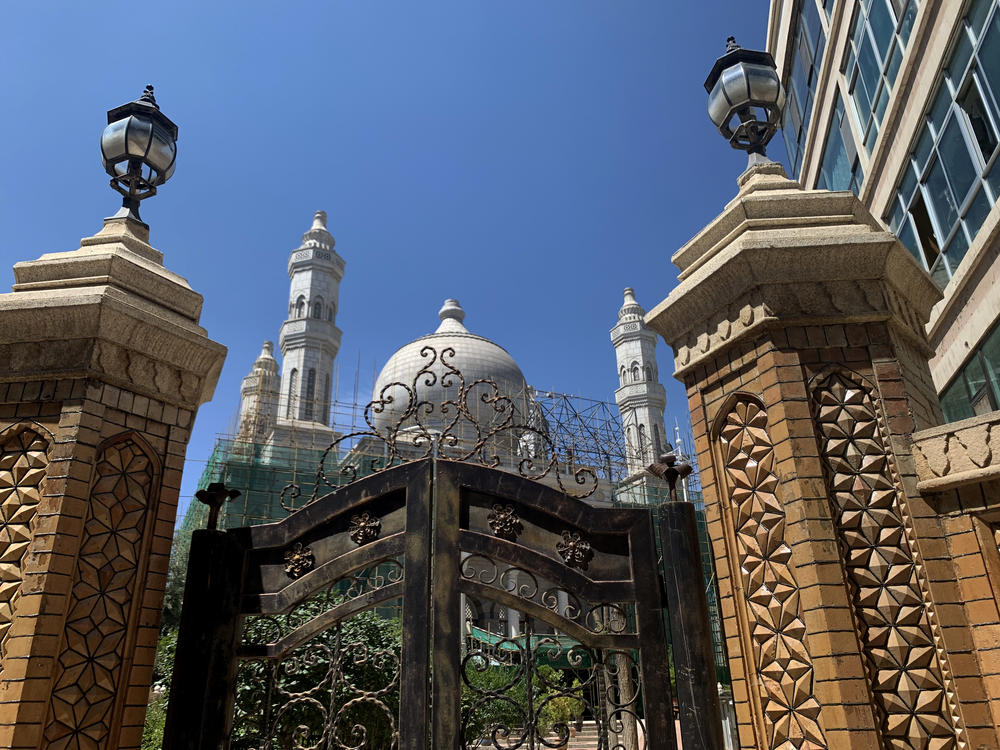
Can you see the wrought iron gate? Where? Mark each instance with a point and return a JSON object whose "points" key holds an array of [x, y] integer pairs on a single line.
{"points": [[263, 660], [524, 610]]}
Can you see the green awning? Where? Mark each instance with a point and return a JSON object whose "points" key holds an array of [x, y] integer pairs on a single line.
{"points": [[555, 655]]}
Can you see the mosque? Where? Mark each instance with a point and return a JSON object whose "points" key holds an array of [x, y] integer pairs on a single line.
{"points": [[451, 393], [289, 417]]}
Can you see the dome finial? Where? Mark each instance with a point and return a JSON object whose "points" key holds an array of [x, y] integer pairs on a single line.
{"points": [[629, 295], [319, 220], [451, 310]]}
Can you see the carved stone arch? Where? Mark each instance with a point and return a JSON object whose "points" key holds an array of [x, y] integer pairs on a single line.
{"points": [[907, 669], [24, 448], [862, 381], [772, 628], [92, 671], [719, 419]]}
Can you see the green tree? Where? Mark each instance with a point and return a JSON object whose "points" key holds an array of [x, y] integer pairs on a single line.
{"points": [[156, 711]]}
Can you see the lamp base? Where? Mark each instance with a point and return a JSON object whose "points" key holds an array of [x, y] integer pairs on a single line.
{"points": [[131, 214], [754, 158]]}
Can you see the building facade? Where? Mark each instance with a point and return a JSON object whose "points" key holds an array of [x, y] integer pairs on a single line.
{"points": [[899, 101]]}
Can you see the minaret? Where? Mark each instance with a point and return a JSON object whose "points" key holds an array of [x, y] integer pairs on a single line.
{"points": [[259, 396], [309, 337], [640, 396]]}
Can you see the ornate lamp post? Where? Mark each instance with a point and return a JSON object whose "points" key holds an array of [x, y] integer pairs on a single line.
{"points": [[139, 149], [745, 98]]}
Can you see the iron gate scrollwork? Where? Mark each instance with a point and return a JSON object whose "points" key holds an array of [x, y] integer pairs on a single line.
{"points": [[524, 611]]}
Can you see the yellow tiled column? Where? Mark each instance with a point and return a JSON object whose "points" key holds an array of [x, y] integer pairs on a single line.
{"points": [[102, 370]]}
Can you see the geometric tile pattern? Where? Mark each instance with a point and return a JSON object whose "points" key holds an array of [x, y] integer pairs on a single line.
{"points": [[22, 466], [889, 607], [784, 669], [89, 668]]}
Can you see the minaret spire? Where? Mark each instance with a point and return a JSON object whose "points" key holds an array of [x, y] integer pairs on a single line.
{"points": [[310, 338], [640, 396], [259, 396]]}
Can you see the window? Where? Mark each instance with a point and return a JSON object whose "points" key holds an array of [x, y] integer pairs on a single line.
{"points": [[950, 182], [642, 443], [978, 120], [325, 411], [293, 387], [976, 388], [329, 313], [622, 375], [879, 35], [841, 167], [309, 401], [300, 307], [318, 310], [649, 373], [635, 372], [807, 55]]}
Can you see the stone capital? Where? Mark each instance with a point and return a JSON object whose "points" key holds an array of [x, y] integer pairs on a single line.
{"points": [[780, 255], [109, 311]]}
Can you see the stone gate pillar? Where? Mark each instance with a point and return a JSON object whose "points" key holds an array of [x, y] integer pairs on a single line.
{"points": [[102, 368], [797, 330]]}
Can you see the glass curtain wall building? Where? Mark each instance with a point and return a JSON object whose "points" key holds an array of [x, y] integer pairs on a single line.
{"points": [[899, 101]]}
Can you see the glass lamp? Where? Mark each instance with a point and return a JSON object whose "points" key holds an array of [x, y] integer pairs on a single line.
{"points": [[139, 149], [745, 98]]}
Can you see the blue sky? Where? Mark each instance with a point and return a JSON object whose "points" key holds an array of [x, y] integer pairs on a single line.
{"points": [[529, 157]]}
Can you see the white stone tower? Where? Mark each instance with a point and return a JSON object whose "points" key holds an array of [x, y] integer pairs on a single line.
{"points": [[259, 396], [640, 396], [309, 337]]}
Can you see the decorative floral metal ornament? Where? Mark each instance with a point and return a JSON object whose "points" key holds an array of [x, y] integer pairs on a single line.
{"points": [[458, 436], [364, 529], [298, 560], [504, 522], [574, 550]]}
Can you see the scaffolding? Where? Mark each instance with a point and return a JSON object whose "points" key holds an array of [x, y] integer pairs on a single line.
{"points": [[273, 462]]}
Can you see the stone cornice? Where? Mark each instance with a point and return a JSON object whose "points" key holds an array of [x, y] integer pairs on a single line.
{"points": [[104, 333], [311, 332], [109, 266], [109, 311], [312, 255], [804, 257], [631, 329], [958, 453]]}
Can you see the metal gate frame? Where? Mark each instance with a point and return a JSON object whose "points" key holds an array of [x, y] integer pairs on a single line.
{"points": [[243, 572]]}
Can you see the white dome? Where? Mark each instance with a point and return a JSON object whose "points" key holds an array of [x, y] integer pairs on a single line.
{"points": [[475, 357]]}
